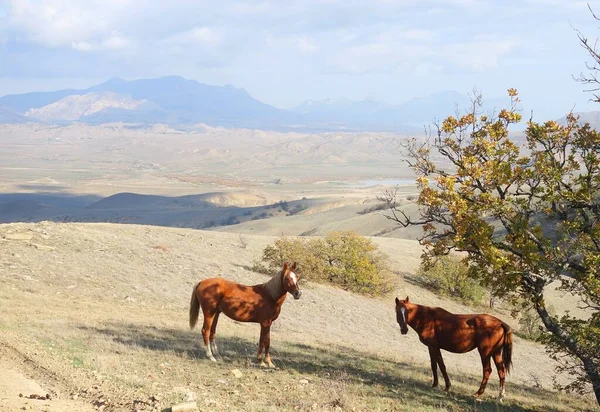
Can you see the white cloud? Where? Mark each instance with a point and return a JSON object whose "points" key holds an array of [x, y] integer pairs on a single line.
{"points": [[114, 42], [307, 45], [62, 23], [196, 36], [478, 55]]}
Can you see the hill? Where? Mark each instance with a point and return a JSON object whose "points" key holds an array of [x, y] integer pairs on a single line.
{"points": [[7, 116], [98, 313]]}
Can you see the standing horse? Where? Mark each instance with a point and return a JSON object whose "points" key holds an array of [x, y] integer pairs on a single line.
{"points": [[439, 329], [258, 303]]}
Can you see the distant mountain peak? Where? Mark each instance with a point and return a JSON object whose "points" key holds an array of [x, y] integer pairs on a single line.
{"points": [[75, 107]]}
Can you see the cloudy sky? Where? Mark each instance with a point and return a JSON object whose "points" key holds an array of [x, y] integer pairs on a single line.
{"points": [[287, 51]]}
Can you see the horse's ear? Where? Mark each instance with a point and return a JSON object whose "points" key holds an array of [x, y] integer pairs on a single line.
{"points": [[293, 266], [285, 266], [406, 299], [397, 301]]}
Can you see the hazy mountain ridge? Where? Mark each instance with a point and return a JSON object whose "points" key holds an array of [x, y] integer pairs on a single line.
{"points": [[180, 102], [416, 112], [8, 116], [172, 100]]}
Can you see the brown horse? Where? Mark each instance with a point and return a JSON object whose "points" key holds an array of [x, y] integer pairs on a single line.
{"points": [[439, 329], [258, 303]]}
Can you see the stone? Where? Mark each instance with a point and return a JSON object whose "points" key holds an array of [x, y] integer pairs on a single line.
{"points": [[18, 236], [185, 407]]}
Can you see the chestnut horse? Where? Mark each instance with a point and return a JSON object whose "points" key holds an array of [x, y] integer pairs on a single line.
{"points": [[439, 329], [258, 303]]}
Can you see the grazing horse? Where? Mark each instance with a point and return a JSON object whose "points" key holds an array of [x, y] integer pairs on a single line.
{"points": [[258, 303], [439, 329]]}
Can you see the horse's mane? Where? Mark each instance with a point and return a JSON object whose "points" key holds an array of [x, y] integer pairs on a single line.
{"points": [[275, 286]]}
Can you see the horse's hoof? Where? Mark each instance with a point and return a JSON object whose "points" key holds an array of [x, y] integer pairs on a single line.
{"points": [[271, 366], [435, 385], [263, 364], [212, 358]]}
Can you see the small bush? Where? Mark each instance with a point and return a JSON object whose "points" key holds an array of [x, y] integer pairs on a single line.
{"points": [[231, 220], [374, 208], [297, 209], [345, 259], [529, 324], [450, 277]]}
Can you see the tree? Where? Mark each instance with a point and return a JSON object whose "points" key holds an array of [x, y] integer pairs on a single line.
{"points": [[526, 215]]}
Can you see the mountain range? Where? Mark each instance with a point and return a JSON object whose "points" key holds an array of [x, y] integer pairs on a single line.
{"points": [[177, 101]]}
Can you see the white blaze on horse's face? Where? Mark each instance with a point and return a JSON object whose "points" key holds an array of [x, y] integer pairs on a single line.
{"points": [[403, 323], [296, 292]]}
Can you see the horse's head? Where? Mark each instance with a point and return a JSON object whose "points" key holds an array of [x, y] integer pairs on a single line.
{"points": [[402, 314], [290, 280]]}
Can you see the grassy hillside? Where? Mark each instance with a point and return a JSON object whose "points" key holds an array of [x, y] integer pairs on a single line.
{"points": [[98, 312]]}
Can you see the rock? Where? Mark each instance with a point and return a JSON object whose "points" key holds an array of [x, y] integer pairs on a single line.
{"points": [[42, 247], [18, 236], [190, 397], [303, 381], [185, 407], [237, 373]]}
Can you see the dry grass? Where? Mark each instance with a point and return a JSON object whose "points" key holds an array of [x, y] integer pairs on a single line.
{"points": [[103, 316]]}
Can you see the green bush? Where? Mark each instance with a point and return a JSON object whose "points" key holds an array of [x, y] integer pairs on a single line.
{"points": [[450, 277], [344, 259], [529, 324]]}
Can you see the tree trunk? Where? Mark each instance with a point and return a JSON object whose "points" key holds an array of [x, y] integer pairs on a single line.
{"points": [[591, 369]]}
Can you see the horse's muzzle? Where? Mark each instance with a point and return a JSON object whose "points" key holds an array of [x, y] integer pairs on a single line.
{"points": [[297, 294]]}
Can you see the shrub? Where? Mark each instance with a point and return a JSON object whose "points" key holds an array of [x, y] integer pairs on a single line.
{"points": [[344, 259], [450, 277], [529, 324], [297, 209], [374, 208]]}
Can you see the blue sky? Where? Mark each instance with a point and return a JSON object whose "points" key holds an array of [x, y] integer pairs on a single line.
{"points": [[286, 51]]}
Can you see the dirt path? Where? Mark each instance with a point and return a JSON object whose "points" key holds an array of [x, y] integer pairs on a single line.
{"points": [[17, 390]]}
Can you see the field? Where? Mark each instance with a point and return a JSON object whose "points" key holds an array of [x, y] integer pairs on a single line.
{"points": [[95, 288]]}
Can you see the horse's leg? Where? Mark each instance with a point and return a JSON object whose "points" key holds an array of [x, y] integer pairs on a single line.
{"points": [[213, 331], [433, 355], [501, 372], [261, 345], [443, 370], [267, 345], [206, 332], [486, 362]]}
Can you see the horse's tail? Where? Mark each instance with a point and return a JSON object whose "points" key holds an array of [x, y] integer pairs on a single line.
{"points": [[507, 347], [194, 307]]}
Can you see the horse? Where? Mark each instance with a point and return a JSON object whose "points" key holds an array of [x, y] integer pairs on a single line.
{"points": [[259, 303], [439, 329]]}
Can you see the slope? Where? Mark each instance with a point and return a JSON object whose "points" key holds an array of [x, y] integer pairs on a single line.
{"points": [[102, 309]]}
